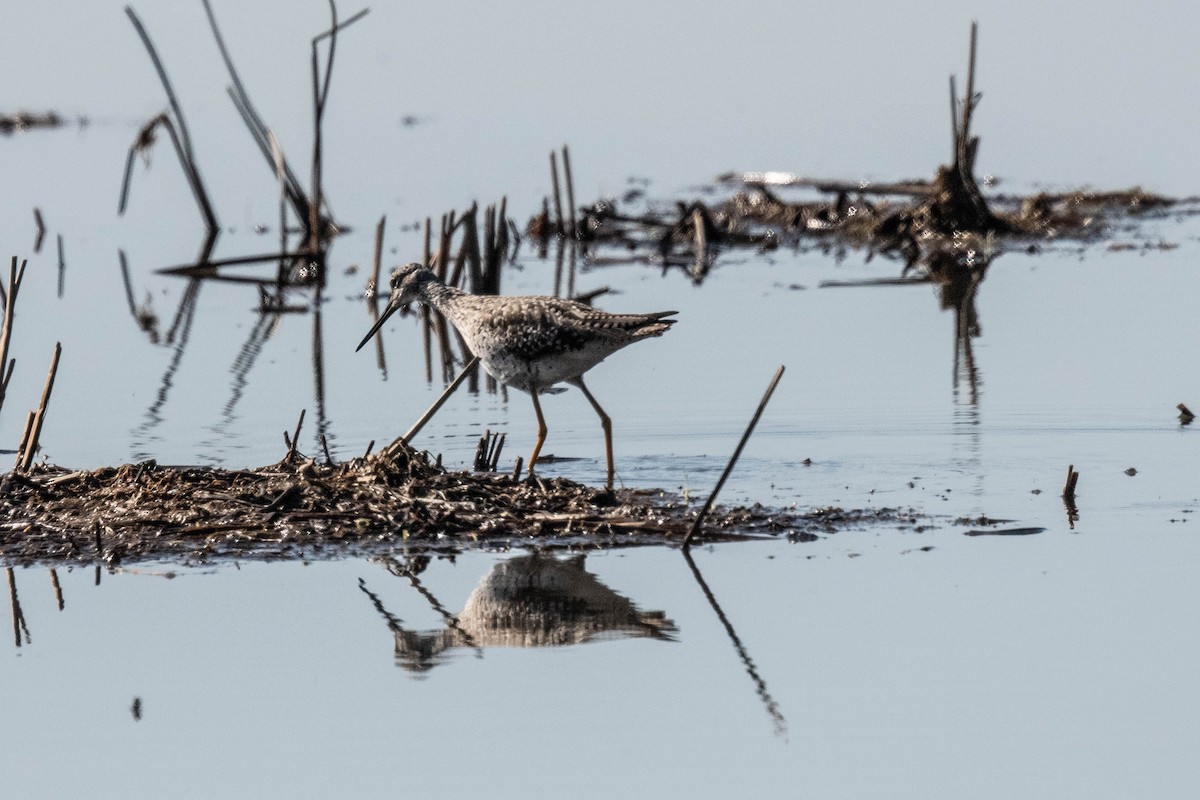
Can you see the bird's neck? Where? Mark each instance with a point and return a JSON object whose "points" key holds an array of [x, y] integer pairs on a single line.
{"points": [[445, 299]]}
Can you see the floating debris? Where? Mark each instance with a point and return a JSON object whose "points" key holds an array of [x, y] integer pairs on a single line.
{"points": [[25, 120]]}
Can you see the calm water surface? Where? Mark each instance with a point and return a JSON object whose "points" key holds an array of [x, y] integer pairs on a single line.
{"points": [[873, 662]]}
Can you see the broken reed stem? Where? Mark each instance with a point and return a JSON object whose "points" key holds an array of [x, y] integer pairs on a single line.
{"points": [[377, 263], [433, 409], [295, 440], [15, 276], [428, 243], [496, 447], [162, 77], [762, 404], [558, 213], [182, 139], [26, 433], [968, 104], [566, 156], [1068, 492], [39, 418]]}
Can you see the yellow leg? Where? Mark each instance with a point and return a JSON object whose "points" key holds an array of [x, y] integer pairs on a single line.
{"points": [[541, 435], [606, 423]]}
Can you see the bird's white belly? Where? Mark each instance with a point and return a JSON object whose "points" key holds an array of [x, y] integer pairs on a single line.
{"points": [[541, 373]]}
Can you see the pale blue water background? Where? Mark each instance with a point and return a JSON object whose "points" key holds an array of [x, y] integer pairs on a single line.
{"points": [[1057, 665]]}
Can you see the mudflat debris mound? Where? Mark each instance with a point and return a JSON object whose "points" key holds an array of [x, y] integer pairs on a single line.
{"points": [[301, 509]]}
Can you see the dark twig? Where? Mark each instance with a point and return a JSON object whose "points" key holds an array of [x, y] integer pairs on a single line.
{"points": [[762, 404]]}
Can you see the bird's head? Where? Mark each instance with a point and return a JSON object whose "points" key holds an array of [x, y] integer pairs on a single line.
{"points": [[407, 286]]}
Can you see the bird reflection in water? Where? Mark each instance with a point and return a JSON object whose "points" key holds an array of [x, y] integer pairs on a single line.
{"points": [[527, 601]]}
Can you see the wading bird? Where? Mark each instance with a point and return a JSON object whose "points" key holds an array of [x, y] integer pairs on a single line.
{"points": [[528, 343]]}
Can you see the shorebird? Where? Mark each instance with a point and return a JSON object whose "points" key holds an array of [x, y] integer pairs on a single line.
{"points": [[529, 343]]}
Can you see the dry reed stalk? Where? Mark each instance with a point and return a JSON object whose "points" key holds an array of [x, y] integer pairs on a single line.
{"points": [[558, 212], [377, 261], [294, 441], [433, 409], [566, 157], [1068, 492], [31, 446], [762, 404], [181, 139], [15, 276]]}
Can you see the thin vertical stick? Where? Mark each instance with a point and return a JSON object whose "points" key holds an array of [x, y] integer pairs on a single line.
{"points": [[377, 264], [701, 245], [558, 215], [428, 243], [570, 191], [15, 277], [295, 440], [26, 432], [762, 404], [40, 417], [62, 266], [128, 284], [501, 238], [969, 99]]}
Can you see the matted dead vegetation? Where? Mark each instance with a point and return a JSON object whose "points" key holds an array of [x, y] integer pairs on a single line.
{"points": [[299, 508]]}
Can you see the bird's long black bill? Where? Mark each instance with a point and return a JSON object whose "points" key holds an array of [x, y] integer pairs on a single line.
{"points": [[392, 308]]}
